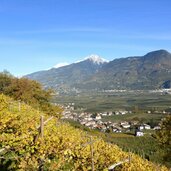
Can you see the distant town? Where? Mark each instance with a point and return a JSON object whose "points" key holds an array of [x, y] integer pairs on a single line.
{"points": [[94, 121]]}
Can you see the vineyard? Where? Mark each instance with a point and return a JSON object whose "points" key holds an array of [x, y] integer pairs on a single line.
{"points": [[32, 140]]}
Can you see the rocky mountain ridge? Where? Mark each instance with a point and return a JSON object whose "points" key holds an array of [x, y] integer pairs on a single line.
{"points": [[150, 71]]}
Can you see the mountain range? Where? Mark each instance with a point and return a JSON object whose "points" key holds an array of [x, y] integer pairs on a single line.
{"points": [[151, 71]]}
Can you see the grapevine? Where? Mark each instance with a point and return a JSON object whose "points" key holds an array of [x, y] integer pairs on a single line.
{"points": [[63, 147]]}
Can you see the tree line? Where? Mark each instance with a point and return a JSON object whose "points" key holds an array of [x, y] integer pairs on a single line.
{"points": [[28, 91]]}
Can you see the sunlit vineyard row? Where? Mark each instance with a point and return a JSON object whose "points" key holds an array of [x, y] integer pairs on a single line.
{"points": [[61, 147]]}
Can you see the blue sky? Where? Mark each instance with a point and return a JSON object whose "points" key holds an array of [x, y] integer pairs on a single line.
{"points": [[38, 34]]}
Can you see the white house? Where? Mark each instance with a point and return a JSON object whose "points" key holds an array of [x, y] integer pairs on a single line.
{"points": [[156, 128], [147, 126], [141, 127], [110, 113], [117, 113], [123, 112], [114, 129], [104, 114], [88, 118], [118, 131], [98, 117], [139, 133], [126, 125]]}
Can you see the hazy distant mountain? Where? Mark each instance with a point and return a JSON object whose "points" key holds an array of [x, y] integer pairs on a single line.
{"points": [[65, 77], [150, 71]]}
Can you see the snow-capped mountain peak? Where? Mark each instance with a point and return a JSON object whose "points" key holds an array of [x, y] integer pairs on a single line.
{"points": [[96, 59]]}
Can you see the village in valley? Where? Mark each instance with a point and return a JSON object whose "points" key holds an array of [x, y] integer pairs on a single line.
{"points": [[95, 121]]}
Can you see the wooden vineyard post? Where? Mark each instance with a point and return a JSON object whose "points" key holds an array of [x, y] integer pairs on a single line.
{"points": [[10, 106], [41, 126], [91, 151], [92, 155], [41, 135], [19, 105]]}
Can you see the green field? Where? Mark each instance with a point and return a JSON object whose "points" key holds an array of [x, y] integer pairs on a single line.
{"points": [[138, 103], [114, 101], [142, 117]]}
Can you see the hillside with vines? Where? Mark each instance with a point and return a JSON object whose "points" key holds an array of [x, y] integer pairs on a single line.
{"points": [[59, 147]]}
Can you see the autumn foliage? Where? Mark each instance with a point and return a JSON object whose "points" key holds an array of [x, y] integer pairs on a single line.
{"points": [[27, 91], [62, 147]]}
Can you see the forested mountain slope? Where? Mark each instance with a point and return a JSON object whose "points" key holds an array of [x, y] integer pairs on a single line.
{"points": [[150, 71]]}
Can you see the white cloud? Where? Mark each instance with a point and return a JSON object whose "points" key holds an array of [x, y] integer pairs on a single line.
{"points": [[152, 36], [62, 30], [60, 65]]}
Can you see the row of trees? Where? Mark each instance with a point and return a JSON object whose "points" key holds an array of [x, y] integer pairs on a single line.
{"points": [[164, 138], [28, 91]]}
